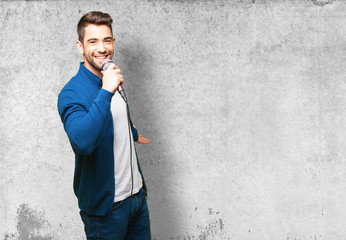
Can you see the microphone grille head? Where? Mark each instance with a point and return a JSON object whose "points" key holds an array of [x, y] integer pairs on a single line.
{"points": [[106, 63]]}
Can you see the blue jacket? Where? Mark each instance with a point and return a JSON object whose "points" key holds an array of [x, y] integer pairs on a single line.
{"points": [[84, 109]]}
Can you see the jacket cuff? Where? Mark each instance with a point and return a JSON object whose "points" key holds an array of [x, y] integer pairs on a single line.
{"points": [[134, 133], [105, 95]]}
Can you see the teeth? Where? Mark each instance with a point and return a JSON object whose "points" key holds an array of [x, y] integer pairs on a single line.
{"points": [[101, 57]]}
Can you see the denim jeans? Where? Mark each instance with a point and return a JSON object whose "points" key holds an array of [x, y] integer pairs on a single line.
{"points": [[120, 224]]}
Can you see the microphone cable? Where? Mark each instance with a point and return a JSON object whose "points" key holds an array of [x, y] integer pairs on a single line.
{"points": [[130, 139]]}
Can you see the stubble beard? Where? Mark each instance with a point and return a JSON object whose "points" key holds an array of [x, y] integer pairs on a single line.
{"points": [[93, 63]]}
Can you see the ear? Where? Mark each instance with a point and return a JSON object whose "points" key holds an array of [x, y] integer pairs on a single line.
{"points": [[80, 47]]}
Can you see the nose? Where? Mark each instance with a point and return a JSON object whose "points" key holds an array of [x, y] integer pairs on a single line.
{"points": [[101, 47]]}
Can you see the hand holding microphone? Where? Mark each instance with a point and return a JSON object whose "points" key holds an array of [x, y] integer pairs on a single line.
{"points": [[112, 79]]}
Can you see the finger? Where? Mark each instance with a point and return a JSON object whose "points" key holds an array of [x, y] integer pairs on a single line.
{"points": [[121, 78], [145, 140], [111, 67]]}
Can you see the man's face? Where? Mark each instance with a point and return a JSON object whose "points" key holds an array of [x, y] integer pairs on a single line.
{"points": [[98, 45]]}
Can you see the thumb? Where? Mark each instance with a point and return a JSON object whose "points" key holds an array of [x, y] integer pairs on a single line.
{"points": [[113, 66]]}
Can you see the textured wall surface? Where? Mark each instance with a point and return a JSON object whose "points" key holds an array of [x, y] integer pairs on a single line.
{"points": [[244, 101]]}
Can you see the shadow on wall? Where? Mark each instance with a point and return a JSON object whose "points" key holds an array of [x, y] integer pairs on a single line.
{"points": [[146, 112]]}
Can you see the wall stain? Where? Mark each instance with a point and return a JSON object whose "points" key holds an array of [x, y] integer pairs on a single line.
{"points": [[30, 224], [9, 236], [310, 237], [211, 212], [321, 2], [210, 229], [221, 224]]}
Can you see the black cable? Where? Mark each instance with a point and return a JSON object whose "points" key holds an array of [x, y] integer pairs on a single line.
{"points": [[129, 126]]}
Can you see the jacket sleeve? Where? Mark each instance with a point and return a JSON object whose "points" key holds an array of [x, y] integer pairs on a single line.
{"points": [[134, 132], [84, 127]]}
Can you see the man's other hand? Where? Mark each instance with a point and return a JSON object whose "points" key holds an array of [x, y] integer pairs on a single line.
{"points": [[142, 140]]}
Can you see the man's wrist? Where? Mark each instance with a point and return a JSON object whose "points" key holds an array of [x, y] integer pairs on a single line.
{"points": [[109, 90]]}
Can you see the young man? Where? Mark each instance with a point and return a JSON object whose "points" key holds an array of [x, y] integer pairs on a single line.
{"points": [[108, 181]]}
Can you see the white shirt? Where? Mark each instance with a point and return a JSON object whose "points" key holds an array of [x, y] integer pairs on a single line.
{"points": [[122, 169]]}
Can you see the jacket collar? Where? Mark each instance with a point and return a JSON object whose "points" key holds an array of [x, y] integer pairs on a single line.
{"points": [[95, 80]]}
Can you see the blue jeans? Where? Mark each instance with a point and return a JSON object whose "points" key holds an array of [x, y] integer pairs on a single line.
{"points": [[120, 224]]}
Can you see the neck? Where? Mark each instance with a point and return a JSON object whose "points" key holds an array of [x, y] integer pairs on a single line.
{"points": [[92, 69]]}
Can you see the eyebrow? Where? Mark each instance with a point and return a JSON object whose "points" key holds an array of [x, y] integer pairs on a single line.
{"points": [[93, 39]]}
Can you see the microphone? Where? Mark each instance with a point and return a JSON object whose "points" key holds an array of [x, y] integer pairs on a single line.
{"points": [[105, 64]]}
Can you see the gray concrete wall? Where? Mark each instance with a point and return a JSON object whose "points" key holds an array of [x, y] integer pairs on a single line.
{"points": [[244, 101]]}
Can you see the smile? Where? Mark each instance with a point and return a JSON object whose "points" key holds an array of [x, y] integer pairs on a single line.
{"points": [[101, 57]]}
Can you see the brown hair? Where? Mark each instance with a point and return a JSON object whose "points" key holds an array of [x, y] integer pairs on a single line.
{"points": [[94, 17]]}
